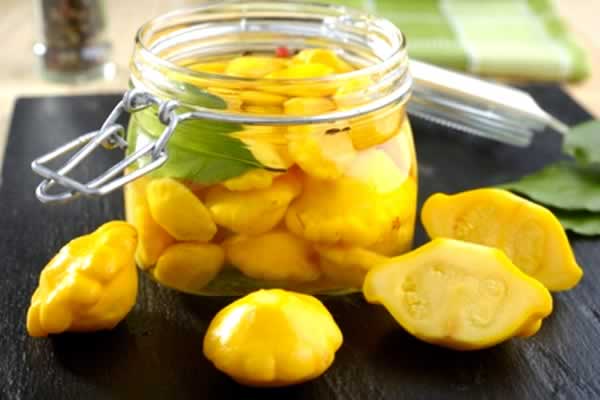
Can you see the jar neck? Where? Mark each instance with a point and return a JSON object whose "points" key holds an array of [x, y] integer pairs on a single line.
{"points": [[165, 45]]}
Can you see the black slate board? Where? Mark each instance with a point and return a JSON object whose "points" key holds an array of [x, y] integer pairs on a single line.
{"points": [[156, 352]]}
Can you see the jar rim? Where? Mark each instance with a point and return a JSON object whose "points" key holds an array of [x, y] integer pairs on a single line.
{"points": [[398, 53], [375, 42]]}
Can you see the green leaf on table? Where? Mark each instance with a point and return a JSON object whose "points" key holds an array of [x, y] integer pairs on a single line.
{"points": [[581, 222], [583, 142], [562, 185], [199, 150]]}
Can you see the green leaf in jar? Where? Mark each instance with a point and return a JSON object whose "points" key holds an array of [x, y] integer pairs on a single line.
{"points": [[187, 165], [583, 142], [562, 185], [190, 94], [581, 222], [200, 151]]}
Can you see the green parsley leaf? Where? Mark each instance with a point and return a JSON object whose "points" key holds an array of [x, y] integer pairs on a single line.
{"points": [[583, 142], [562, 185], [199, 150], [581, 222]]}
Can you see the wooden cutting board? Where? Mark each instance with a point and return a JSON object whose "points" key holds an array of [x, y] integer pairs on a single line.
{"points": [[156, 353]]}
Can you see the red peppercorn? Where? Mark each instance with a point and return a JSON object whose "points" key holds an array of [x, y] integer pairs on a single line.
{"points": [[282, 51]]}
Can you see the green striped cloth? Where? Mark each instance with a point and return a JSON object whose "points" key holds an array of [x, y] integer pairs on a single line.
{"points": [[523, 39]]}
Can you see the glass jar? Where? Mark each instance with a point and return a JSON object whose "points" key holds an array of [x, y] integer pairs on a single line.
{"points": [[298, 183], [72, 44]]}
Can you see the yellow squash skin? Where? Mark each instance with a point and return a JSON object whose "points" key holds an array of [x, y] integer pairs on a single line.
{"points": [[275, 255], [376, 169], [308, 106], [216, 67], [398, 240], [341, 211], [253, 211], [400, 149], [189, 266], [322, 56], [268, 144], [178, 211], [371, 130], [273, 338], [253, 179], [353, 92], [367, 207], [254, 66], [302, 71], [90, 285], [152, 239], [318, 153], [459, 295], [397, 237], [257, 98], [311, 72], [347, 265], [529, 234], [272, 110]]}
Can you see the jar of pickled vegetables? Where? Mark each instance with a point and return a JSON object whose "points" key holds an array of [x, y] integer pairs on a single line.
{"points": [[285, 157]]}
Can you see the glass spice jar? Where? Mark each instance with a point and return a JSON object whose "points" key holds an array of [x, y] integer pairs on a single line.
{"points": [[72, 43], [268, 146]]}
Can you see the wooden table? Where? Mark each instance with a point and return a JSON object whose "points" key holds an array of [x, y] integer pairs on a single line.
{"points": [[18, 76]]}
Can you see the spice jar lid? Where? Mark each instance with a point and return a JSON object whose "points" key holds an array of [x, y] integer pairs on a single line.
{"points": [[477, 107]]}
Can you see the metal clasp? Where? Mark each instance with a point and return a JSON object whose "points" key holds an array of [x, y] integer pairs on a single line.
{"points": [[111, 135]]}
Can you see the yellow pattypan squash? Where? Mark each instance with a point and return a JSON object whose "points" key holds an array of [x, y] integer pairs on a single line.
{"points": [[179, 211], [275, 255], [273, 338], [308, 106], [152, 238], [459, 295], [216, 67], [353, 92], [253, 179], [376, 128], [90, 285], [302, 71], [322, 56], [529, 234], [268, 110], [257, 98], [189, 266], [254, 66], [318, 152], [268, 145], [253, 211], [347, 266], [397, 238], [368, 206]]}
